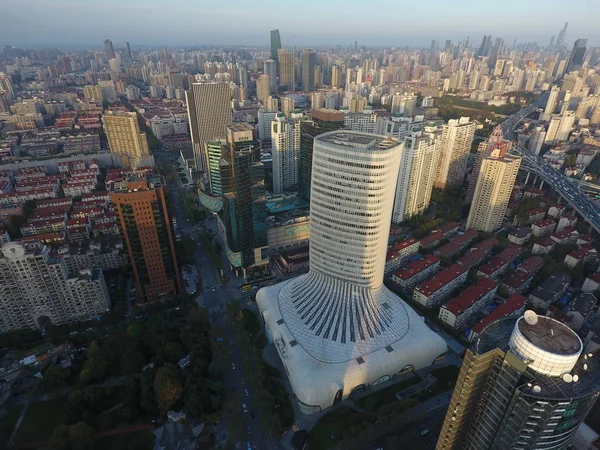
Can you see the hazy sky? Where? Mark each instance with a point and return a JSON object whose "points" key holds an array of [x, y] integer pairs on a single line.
{"points": [[301, 22]]}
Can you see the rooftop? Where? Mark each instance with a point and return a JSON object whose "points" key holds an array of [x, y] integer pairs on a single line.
{"points": [[357, 140], [512, 304], [551, 336], [550, 286], [417, 267], [441, 279], [470, 296]]}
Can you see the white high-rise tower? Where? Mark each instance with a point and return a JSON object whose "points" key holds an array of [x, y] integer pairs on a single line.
{"points": [[338, 329], [285, 148]]}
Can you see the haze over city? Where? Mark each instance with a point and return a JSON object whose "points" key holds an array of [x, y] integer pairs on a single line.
{"points": [[316, 225], [77, 23]]}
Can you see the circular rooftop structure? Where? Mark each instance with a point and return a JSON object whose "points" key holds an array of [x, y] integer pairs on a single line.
{"points": [[548, 346]]}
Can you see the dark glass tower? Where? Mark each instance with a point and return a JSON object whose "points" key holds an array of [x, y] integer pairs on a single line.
{"points": [[577, 55], [323, 120], [309, 59], [108, 49], [275, 44], [244, 211], [525, 384]]}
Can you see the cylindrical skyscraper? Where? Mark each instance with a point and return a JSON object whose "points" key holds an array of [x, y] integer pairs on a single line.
{"points": [[338, 329]]}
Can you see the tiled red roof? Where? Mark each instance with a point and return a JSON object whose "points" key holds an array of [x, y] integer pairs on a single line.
{"points": [[416, 267], [501, 259], [512, 304], [401, 245], [546, 242], [470, 296], [441, 279], [531, 264]]}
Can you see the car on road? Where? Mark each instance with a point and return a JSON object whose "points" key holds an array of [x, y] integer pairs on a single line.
{"points": [[249, 430], [247, 392], [425, 432], [233, 366], [244, 408], [248, 446]]}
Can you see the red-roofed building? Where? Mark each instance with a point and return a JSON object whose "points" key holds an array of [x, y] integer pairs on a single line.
{"points": [[475, 298], [543, 246], [106, 228], [434, 291], [521, 279], [478, 253], [514, 305], [53, 202], [591, 283], [46, 238], [563, 237], [416, 272], [456, 244], [399, 252], [498, 264], [440, 233], [556, 210], [42, 226], [543, 228], [582, 255], [535, 215], [584, 239]]}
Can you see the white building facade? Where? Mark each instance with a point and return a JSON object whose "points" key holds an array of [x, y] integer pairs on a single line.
{"points": [[338, 329]]}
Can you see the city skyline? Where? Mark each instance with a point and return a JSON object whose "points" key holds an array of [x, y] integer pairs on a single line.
{"points": [[28, 24]]}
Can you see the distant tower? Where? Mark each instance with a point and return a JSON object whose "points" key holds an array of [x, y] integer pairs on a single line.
{"points": [[108, 49], [457, 138], [418, 166], [577, 55], [275, 44], [309, 59], [263, 87], [285, 139], [495, 183], [355, 45], [124, 136], [287, 69], [525, 383], [552, 102], [561, 37], [128, 53], [209, 111], [270, 68]]}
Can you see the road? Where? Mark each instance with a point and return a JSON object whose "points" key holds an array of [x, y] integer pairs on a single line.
{"points": [[588, 209], [214, 297]]}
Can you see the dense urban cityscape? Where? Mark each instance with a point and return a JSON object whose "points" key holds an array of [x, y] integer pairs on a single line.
{"points": [[281, 246]]}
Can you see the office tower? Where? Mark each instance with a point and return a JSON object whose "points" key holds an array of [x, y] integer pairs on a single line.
{"points": [[275, 44], [287, 70], [577, 55], [108, 49], [93, 93], [457, 138], [565, 126], [209, 111], [525, 383], [270, 69], [484, 48], [309, 59], [404, 103], [494, 186], [263, 87], [6, 85], [36, 289], [265, 117], [322, 121], [536, 140], [287, 105], [114, 64], [285, 149], [141, 207], [561, 37], [595, 120], [418, 167], [128, 53], [553, 127], [336, 76], [433, 46], [124, 136], [109, 91], [271, 104], [243, 221], [484, 149], [552, 102], [338, 329]]}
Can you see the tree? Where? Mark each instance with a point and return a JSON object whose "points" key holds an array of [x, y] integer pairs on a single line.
{"points": [[54, 377], [167, 387], [79, 436]]}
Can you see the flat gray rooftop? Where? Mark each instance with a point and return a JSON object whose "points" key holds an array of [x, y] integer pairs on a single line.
{"points": [[551, 336]]}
